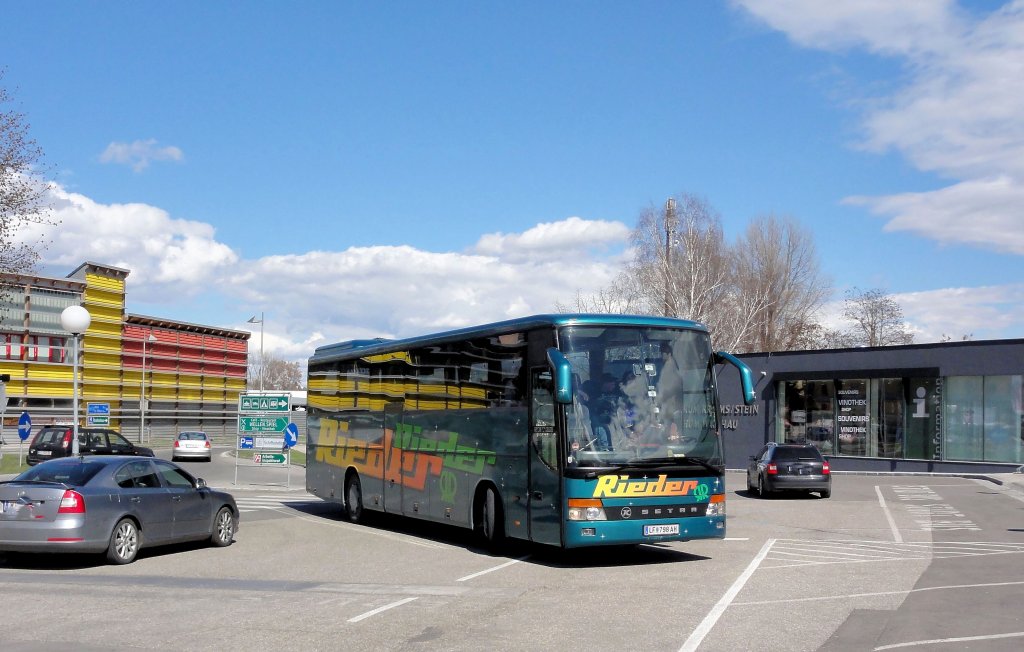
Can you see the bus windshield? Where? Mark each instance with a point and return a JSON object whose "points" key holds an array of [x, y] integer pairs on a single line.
{"points": [[640, 396]]}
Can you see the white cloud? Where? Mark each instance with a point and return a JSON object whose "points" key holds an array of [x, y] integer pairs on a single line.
{"points": [[983, 212], [140, 153], [980, 313], [321, 297], [959, 112], [554, 239], [881, 26], [406, 291], [161, 252]]}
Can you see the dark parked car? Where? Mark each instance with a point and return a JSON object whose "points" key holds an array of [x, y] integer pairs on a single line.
{"points": [[789, 466], [111, 503], [55, 441]]}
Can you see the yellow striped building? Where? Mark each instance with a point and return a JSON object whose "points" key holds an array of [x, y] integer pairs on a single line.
{"points": [[168, 375]]}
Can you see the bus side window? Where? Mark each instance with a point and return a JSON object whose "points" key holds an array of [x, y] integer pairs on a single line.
{"points": [[543, 431]]}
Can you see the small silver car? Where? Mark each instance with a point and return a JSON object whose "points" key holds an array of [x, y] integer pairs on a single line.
{"points": [[192, 444], [114, 504]]}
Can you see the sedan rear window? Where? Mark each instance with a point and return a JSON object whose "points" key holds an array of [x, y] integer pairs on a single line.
{"points": [[74, 472], [794, 454], [192, 435]]}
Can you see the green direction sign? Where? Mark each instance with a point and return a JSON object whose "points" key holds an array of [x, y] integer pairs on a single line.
{"points": [[264, 403], [269, 458], [262, 424]]}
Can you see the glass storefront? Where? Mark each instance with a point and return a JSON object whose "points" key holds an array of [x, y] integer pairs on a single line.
{"points": [[961, 418]]}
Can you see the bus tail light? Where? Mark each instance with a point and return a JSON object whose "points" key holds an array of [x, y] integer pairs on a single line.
{"points": [[716, 506], [586, 509]]}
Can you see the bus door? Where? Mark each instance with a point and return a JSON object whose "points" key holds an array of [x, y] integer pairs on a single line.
{"points": [[545, 502], [393, 460]]}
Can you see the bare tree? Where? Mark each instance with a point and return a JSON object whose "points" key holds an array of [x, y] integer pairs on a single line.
{"points": [[761, 294], [681, 259], [622, 297], [277, 374], [778, 277], [22, 189], [877, 319]]}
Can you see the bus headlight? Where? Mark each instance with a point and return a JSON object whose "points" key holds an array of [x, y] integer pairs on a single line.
{"points": [[586, 509]]}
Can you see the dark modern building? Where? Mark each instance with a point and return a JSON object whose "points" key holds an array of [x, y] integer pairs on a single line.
{"points": [[952, 407]]}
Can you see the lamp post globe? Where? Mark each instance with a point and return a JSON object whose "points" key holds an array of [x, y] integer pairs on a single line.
{"points": [[75, 320]]}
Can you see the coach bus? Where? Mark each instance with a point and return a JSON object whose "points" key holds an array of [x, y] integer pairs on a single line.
{"points": [[570, 429]]}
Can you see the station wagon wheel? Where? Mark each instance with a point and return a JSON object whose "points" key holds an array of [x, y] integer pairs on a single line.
{"points": [[353, 498], [124, 542], [760, 486], [223, 528]]}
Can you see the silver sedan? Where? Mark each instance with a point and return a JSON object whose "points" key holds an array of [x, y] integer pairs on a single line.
{"points": [[193, 444], [112, 504]]}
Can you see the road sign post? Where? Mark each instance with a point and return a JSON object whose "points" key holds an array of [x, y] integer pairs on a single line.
{"points": [[98, 414], [24, 430], [261, 424], [263, 428]]}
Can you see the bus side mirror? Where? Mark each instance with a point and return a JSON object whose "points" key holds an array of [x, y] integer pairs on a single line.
{"points": [[562, 371], [746, 375]]}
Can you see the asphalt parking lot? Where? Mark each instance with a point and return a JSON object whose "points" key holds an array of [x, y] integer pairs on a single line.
{"points": [[922, 562]]}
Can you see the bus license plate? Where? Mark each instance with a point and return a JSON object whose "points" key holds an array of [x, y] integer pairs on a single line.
{"points": [[657, 530]]}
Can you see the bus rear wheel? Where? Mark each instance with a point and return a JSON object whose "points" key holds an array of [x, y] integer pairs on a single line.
{"points": [[490, 518], [353, 498]]}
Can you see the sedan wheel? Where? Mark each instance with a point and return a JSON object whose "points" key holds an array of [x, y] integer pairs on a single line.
{"points": [[223, 528], [124, 542], [760, 487]]}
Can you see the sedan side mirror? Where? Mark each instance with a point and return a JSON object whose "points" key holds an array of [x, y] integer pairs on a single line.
{"points": [[200, 483]]}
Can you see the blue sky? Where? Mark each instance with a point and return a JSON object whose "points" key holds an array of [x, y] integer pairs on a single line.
{"points": [[358, 169]]}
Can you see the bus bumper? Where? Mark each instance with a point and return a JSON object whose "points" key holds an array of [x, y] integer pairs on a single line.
{"points": [[620, 532]]}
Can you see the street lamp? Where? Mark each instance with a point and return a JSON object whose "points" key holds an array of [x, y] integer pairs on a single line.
{"points": [[142, 388], [253, 320], [75, 320]]}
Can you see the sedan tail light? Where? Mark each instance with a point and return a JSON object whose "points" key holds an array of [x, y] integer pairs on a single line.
{"points": [[177, 443], [72, 503], [773, 469], [207, 444], [824, 469]]}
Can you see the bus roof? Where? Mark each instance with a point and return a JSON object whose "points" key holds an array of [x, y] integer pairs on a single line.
{"points": [[359, 348]]}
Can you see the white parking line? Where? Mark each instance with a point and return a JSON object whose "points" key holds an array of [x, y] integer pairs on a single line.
{"points": [[888, 516], [716, 612], [378, 610], [951, 640], [491, 570]]}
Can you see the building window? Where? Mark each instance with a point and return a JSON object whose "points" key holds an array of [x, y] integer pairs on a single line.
{"points": [[962, 417], [808, 413], [923, 435], [10, 346], [982, 418]]}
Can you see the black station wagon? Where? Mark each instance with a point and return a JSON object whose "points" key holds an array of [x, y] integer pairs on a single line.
{"points": [[52, 442]]}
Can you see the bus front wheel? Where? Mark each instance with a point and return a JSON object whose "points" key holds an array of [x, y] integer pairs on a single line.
{"points": [[353, 498], [491, 521]]}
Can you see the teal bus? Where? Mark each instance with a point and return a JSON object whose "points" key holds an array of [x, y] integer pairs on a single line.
{"points": [[567, 429]]}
